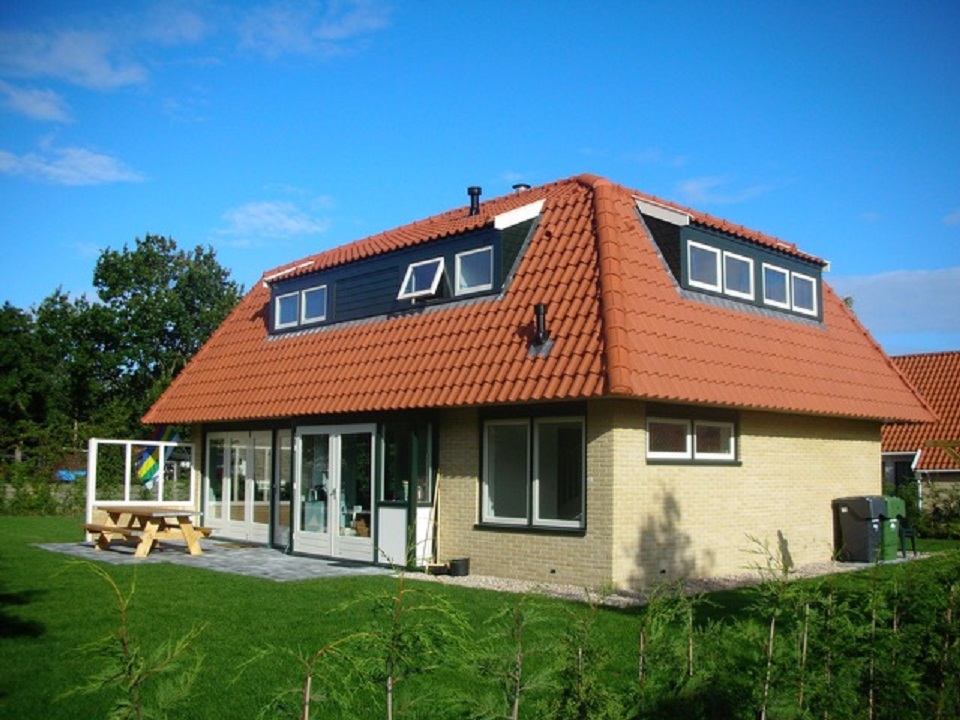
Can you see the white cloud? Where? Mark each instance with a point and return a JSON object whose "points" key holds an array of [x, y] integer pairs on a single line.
{"points": [[953, 219], [68, 166], [80, 57], [270, 219], [871, 217], [293, 28], [34, 103], [716, 190], [905, 301]]}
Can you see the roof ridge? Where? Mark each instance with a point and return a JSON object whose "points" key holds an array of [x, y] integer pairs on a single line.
{"points": [[616, 339]]}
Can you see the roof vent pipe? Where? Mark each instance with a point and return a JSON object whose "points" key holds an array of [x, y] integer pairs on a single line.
{"points": [[520, 187], [474, 192], [540, 333]]}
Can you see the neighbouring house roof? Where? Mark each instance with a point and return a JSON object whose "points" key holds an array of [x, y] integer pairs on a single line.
{"points": [[619, 326], [936, 376]]}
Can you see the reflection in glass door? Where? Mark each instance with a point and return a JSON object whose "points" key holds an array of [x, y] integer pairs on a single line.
{"points": [[334, 491]]}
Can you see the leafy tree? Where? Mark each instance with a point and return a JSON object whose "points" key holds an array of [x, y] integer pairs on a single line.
{"points": [[161, 304], [72, 368]]}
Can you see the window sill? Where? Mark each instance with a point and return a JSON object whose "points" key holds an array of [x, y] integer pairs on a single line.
{"points": [[694, 463], [531, 529]]}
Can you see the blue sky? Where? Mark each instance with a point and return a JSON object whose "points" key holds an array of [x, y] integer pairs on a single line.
{"points": [[272, 130]]}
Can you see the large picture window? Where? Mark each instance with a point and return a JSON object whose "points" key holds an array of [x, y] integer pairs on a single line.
{"points": [[534, 472]]}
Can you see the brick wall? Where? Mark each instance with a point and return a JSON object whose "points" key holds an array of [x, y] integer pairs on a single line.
{"points": [[664, 522], [544, 557]]}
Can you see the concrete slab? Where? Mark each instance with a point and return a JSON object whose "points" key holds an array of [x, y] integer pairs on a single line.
{"points": [[225, 556]]}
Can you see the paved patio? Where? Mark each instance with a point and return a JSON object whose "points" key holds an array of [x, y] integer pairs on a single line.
{"points": [[225, 556]]}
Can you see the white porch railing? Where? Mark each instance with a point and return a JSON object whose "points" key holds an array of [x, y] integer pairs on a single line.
{"points": [[140, 472]]}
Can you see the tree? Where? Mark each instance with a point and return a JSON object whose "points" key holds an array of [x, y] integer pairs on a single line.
{"points": [[72, 368], [159, 304]]}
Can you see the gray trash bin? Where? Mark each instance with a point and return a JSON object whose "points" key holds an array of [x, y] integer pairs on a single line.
{"points": [[857, 528]]}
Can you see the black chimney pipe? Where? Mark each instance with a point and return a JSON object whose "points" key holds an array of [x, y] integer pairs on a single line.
{"points": [[474, 192], [540, 334]]}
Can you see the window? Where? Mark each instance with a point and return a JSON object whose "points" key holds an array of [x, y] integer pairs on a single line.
{"points": [[314, 305], [558, 473], [422, 279], [776, 286], [542, 486], [690, 439], [713, 440], [703, 266], [737, 275], [287, 310], [474, 270], [804, 294], [668, 438], [506, 466]]}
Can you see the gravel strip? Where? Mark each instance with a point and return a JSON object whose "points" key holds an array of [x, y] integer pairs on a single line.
{"points": [[631, 598]]}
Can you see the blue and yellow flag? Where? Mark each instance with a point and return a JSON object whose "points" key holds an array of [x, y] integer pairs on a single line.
{"points": [[149, 463]]}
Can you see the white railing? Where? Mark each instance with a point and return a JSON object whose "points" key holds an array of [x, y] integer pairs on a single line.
{"points": [[140, 472]]}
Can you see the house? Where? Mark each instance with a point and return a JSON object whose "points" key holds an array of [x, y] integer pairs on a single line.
{"points": [[930, 451], [574, 383]]}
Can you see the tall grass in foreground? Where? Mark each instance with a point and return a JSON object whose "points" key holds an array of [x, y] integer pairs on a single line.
{"points": [[882, 643]]}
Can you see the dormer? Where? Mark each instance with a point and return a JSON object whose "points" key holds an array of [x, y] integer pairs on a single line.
{"points": [[709, 262], [460, 267]]}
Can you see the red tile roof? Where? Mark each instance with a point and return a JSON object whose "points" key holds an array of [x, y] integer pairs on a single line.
{"points": [[619, 325], [936, 377]]}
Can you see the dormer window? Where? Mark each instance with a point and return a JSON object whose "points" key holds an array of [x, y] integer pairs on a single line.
{"points": [[287, 310], [474, 271], [314, 306], [737, 276], [704, 264], [804, 294], [422, 279], [776, 286]]}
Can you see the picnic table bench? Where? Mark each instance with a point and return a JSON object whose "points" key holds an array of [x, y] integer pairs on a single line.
{"points": [[149, 524]]}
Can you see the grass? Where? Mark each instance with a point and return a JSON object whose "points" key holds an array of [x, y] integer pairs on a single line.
{"points": [[51, 606]]}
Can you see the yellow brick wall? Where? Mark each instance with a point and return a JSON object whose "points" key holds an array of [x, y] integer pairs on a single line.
{"points": [[648, 523], [541, 557], [698, 521]]}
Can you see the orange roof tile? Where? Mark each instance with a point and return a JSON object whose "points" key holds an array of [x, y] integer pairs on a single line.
{"points": [[619, 326], [936, 376]]}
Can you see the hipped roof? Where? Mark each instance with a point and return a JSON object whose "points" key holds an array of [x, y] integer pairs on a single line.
{"points": [[619, 326], [936, 377]]}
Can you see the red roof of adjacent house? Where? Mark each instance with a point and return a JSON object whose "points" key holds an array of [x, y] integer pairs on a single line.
{"points": [[936, 376], [619, 325]]}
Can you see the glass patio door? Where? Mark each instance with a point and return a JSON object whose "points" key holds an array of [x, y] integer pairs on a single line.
{"points": [[239, 477], [333, 512]]}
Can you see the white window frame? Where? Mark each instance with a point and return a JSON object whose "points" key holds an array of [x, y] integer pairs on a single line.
{"points": [[304, 319], [536, 519], [666, 455], [813, 293], [459, 289], [730, 454], [486, 509], [276, 309], [691, 245], [425, 292], [731, 291], [691, 454], [787, 284]]}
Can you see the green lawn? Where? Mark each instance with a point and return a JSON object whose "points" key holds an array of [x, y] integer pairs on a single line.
{"points": [[51, 607]]}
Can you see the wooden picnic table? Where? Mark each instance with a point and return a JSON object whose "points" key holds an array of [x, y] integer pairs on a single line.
{"points": [[149, 524]]}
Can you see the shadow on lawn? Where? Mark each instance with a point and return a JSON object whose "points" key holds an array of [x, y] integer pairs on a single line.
{"points": [[12, 626]]}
